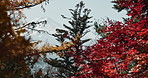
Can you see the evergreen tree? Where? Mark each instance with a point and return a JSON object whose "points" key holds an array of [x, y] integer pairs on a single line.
{"points": [[67, 66]]}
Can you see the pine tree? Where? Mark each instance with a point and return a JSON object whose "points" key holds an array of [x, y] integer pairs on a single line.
{"points": [[67, 66]]}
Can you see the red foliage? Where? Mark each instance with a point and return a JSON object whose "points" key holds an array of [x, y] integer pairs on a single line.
{"points": [[123, 53]]}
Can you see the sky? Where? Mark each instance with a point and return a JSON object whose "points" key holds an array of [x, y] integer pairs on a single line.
{"points": [[100, 9]]}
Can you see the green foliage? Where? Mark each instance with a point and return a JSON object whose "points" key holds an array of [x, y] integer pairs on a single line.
{"points": [[99, 29], [77, 28]]}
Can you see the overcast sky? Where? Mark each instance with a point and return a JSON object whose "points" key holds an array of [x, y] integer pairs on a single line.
{"points": [[99, 9]]}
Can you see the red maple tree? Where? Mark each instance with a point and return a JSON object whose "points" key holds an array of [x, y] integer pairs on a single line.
{"points": [[123, 52]]}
